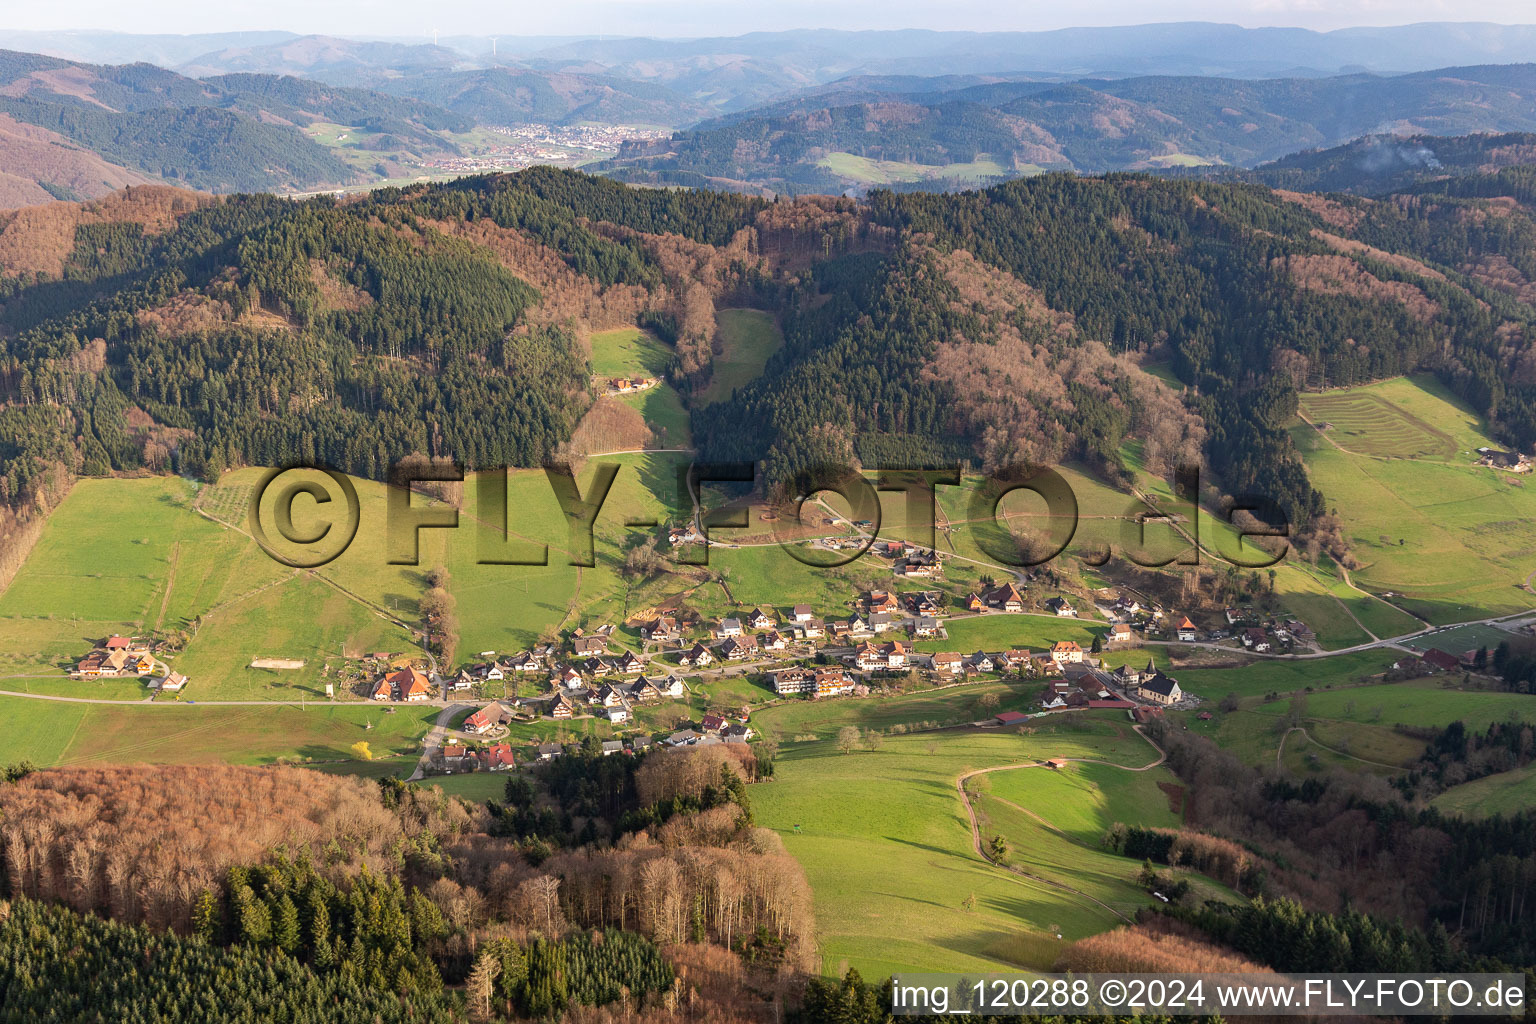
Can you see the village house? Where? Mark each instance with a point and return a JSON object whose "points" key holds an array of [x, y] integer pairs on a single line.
{"points": [[618, 715], [1300, 630], [382, 690], [498, 758], [561, 707], [454, 754], [486, 719], [612, 747], [549, 751], [661, 630], [1015, 659], [803, 613], [773, 640], [1186, 630], [728, 628], [1061, 607], [1120, 633], [644, 691], [670, 686], [881, 601], [630, 664], [973, 603], [697, 656], [173, 683], [462, 680], [712, 723], [948, 662], [924, 602], [981, 661], [811, 628], [1513, 462], [610, 697], [739, 648], [759, 619], [526, 661], [924, 626], [1065, 652], [1255, 639], [589, 645], [569, 678], [1006, 598]]}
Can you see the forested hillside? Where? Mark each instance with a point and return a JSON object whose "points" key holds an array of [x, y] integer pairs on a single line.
{"points": [[232, 133], [1006, 326]]}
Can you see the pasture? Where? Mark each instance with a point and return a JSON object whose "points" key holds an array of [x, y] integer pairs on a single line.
{"points": [[885, 841], [1449, 539], [748, 338], [51, 733], [1505, 793]]}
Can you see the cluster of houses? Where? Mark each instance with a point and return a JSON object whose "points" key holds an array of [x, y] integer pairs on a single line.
{"points": [[408, 684], [629, 385], [1088, 686], [1436, 660], [116, 657], [125, 657]]}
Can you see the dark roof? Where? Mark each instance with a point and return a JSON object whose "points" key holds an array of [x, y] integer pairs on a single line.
{"points": [[1160, 683]]}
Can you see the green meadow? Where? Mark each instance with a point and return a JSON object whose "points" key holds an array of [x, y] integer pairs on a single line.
{"points": [[1447, 538], [748, 338], [884, 838], [631, 352], [1505, 793], [50, 733]]}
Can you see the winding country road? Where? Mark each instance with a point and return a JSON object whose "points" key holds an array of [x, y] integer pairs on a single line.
{"points": [[980, 847]]}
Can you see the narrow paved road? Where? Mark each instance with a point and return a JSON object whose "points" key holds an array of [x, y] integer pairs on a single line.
{"points": [[435, 739]]}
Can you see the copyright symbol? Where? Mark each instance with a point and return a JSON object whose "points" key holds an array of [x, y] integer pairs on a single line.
{"points": [[1112, 993], [325, 541]]}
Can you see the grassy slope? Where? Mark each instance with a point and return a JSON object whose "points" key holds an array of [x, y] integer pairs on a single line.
{"points": [[749, 337], [630, 351], [887, 847], [1408, 476], [1505, 793]]}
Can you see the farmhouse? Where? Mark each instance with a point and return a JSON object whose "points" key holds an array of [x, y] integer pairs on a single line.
{"points": [[410, 684], [173, 682], [1442, 661], [382, 690], [486, 719], [1006, 597], [881, 601], [1186, 630]]}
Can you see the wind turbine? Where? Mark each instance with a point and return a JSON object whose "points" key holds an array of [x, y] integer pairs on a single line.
{"points": [[434, 37], [493, 46]]}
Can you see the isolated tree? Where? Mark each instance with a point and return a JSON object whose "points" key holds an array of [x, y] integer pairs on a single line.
{"points": [[362, 751], [847, 738]]}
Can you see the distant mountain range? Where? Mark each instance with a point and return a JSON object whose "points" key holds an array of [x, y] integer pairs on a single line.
{"points": [[790, 111], [863, 132]]}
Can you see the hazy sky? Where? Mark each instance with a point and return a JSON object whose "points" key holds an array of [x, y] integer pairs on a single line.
{"points": [[722, 17]]}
